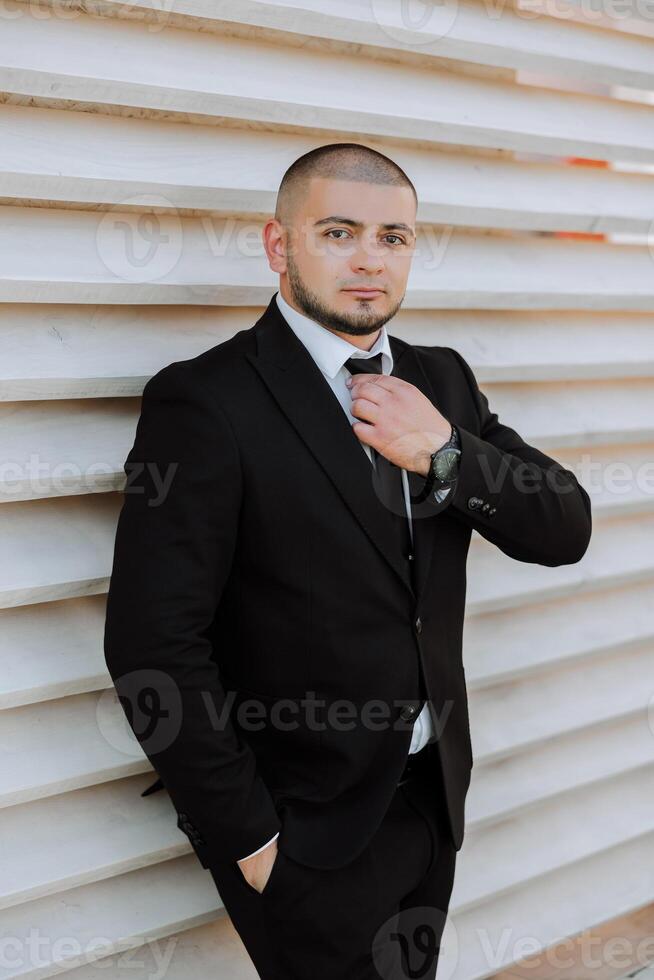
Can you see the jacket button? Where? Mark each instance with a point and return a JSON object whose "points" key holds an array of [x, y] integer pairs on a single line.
{"points": [[492, 511], [418, 625], [408, 712], [485, 508], [474, 502]]}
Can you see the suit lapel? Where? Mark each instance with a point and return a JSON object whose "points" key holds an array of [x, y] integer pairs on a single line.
{"points": [[304, 395]]}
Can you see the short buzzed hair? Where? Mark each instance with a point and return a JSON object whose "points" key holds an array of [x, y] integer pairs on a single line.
{"points": [[340, 161]]}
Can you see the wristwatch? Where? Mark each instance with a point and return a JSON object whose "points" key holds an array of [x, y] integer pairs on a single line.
{"points": [[444, 465]]}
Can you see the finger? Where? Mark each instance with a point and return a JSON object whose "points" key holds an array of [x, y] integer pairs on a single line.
{"points": [[371, 390], [365, 409], [386, 381], [366, 433]]}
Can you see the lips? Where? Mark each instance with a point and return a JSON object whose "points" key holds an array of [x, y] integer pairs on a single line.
{"points": [[365, 292]]}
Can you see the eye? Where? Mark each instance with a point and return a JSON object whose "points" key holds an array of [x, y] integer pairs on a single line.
{"points": [[338, 231], [398, 239]]}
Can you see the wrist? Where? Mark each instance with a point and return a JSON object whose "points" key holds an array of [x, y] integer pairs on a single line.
{"points": [[443, 467], [424, 459]]}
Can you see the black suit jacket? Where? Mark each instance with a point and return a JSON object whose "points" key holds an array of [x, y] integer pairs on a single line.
{"points": [[265, 570]]}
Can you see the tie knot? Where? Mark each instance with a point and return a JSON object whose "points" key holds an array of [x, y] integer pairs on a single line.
{"points": [[365, 365]]}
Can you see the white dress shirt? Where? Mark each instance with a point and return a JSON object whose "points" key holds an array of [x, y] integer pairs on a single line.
{"points": [[330, 352]]}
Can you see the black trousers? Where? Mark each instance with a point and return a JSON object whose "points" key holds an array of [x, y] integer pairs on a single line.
{"points": [[381, 917]]}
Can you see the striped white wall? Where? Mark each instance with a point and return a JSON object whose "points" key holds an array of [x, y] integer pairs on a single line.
{"points": [[164, 127]]}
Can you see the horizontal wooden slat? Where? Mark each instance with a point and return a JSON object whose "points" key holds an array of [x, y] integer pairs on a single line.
{"points": [[66, 744], [560, 904], [64, 447], [103, 161], [56, 549], [461, 31], [621, 810], [620, 552], [49, 255], [634, 16], [83, 836], [173, 72], [619, 476], [214, 950], [516, 783], [90, 922], [510, 345], [52, 649], [91, 351], [510, 717], [584, 414], [514, 643]]}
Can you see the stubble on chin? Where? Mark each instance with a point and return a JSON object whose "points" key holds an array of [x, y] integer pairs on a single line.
{"points": [[358, 324]]}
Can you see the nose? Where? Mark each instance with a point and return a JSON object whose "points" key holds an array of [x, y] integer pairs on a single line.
{"points": [[367, 259]]}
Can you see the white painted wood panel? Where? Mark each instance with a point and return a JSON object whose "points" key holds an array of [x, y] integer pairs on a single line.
{"points": [[90, 351], [93, 351], [99, 160], [122, 66], [511, 644], [518, 783], [620, 551], [49, 255], [621, 810], [62, 745], [559, 904], [214, 950], [56, 549], [85, 835], [56, 449], [461, 31], [52, 649], [84, 924], [515, 715]]}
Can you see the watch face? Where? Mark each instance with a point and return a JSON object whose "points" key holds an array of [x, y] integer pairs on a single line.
{"points": [[446, 464]]}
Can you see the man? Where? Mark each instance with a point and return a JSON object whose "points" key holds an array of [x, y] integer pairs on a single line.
{"points": [[284, 620]]}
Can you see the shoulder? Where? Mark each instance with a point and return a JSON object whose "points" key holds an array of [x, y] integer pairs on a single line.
{"points": [[213, 375], [434, 357]]}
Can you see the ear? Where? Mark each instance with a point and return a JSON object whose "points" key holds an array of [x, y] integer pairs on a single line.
{"points": [[275, 245]]}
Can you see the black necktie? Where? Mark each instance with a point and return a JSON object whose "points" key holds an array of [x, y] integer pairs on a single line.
{"points": [[389, 476]]}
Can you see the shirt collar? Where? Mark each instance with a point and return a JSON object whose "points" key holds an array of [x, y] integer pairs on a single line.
{"points": [[329, 351]]}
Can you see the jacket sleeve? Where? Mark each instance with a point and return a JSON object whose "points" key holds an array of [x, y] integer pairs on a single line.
{"points": [[174, 546], [515, 496]]}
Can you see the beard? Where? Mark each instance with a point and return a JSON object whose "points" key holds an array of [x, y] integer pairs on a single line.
{"points": [[364, 320]]}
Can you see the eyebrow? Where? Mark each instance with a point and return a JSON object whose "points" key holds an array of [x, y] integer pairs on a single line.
{"points": [[340, 220]]}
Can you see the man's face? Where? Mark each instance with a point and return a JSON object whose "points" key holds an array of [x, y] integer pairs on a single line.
{"points": [[346, 236]]}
